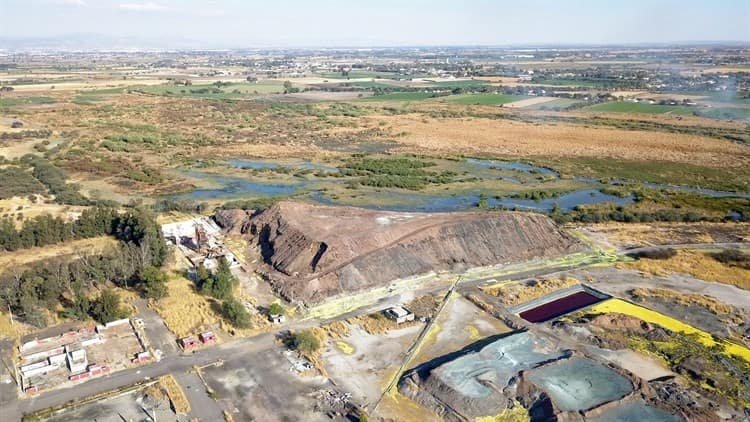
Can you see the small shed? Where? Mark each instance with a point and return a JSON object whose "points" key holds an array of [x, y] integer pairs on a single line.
{"points": [[207, 337], [276, 319], [399, 314], [188, 343]]}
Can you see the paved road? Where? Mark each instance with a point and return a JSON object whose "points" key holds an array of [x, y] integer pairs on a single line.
{"points": [[12, 409], [171, 364]]}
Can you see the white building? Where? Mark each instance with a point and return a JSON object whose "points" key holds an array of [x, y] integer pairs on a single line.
{"points": [[399, 314]]}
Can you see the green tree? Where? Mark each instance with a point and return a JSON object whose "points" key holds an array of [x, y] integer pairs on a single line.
{"points": [[107, 307], [306, 342], [236, 313], [275, 309], [153, 282], [220, 284]]}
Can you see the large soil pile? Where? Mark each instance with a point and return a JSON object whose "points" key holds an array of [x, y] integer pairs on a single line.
{"points": [[312, 251]]}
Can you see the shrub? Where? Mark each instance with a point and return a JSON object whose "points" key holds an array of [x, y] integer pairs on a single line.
{"points": [[733, 257], [275, 309], [664, 253], [306, 342], [107, 307], [235, 313]]}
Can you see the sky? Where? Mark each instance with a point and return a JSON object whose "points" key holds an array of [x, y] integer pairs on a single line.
{"points": [[332, 23]]}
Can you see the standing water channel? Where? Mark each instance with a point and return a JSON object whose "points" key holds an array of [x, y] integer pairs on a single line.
{"points": [[232, 187]]}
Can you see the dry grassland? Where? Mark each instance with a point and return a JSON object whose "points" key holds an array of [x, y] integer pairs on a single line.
{"points": [[511, 294], [30, 209], [696, 264], [687, 299], [179, 401], [94, 245], [185, 311], [510, 138], [646, 234]]}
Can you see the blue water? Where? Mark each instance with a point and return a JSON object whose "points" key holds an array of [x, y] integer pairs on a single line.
{"points": [[260, 164], [236, 187], [407, 201]]}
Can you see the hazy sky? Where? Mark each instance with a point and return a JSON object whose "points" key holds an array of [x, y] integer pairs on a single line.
{"points": [[251, 23]]}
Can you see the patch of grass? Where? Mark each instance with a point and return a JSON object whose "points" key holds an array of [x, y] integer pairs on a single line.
{"points": [[20, 101], [215, 91], [403, 173], [663, 172], [631, 107], [401, 96], [15, 181], [484, 99]]}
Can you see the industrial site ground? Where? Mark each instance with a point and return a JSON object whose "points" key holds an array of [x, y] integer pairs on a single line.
{"points": [[520, 241]]}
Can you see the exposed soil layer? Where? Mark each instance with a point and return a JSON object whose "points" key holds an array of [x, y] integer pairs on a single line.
{"points": [[312, 251]]}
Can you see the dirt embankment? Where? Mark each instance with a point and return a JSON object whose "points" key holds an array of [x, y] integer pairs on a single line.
{"points": [[312, 252]]}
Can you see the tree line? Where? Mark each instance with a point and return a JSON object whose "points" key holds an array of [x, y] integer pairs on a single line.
{"points": [[47, 230], [66, 282]]}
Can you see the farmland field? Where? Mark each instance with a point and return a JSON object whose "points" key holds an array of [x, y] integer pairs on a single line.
{"points": [[484, 99], [631, 107]]}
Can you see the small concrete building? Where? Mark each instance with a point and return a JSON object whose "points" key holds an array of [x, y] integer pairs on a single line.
{"points": [[399, 314]]}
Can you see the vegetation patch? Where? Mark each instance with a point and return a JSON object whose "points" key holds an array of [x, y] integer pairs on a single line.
{"points": [[403, 173], [16, 181], [697, 264]]}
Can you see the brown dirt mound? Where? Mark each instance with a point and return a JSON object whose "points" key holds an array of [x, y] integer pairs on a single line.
{"points": [[313, 251]]}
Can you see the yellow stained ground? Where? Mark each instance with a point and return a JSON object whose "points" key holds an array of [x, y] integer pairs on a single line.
{"points": [[626, 308]]}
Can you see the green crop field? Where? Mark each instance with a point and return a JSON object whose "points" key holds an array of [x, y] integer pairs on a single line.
{"points": [[211, 91], [401, 96], [457, 84], [629, 107], [16, 101], [728, 113], [484, 99]]}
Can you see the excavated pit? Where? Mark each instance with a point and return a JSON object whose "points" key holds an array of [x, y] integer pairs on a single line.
{"points": [[311, 252]]}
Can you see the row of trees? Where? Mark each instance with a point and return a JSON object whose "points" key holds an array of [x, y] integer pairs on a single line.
{"points": [[66, 282], [47, 230]]}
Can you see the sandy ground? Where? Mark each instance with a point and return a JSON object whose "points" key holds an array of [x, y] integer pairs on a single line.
{"points": [[29, 209], [642, 366], [368, 367], [504, 137], [529, 102], [93, 84], [461, 323]]}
